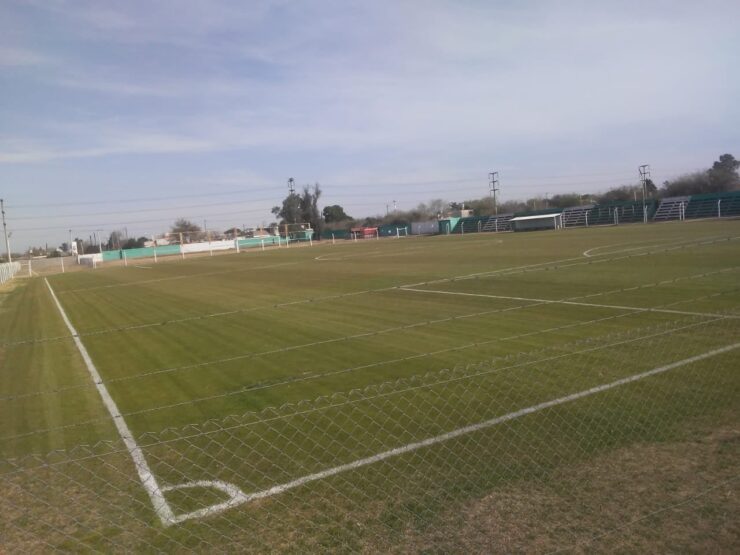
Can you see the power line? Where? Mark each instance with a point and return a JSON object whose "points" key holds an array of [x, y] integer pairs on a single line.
{"points": [[368, 194], [216, 192]]}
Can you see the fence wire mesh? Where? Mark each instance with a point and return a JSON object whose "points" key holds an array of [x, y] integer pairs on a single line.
{"points": [[386, 467]]}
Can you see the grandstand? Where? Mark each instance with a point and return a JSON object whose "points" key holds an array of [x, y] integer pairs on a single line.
{"points": [[469, 224], [713, 205], [500, 222], [577, 216], [671, 208], [619, 212]]}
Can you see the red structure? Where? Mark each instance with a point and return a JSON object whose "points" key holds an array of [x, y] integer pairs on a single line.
{"points": [[364, 232]]}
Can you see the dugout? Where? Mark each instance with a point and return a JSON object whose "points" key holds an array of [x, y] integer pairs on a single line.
{"points": [[538, 222], [364, 232]]}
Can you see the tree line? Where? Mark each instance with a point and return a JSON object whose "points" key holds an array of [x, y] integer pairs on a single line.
{"points": [[303, 207]]}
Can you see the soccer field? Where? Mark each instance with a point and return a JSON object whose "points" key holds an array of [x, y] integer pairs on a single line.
{"points": [[337, 397]]}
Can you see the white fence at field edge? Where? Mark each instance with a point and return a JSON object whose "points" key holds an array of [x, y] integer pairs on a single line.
{"points": [[208, 246], [8, 270]]}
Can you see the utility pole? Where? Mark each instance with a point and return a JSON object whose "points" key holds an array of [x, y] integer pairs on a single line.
{"points": [[493, 189], [395, 206], [5, 231], [644, 176], [291, 186]]}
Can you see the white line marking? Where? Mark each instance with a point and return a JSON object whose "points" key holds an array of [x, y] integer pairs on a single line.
{"points": [[574, 303], [161, 507], [144, 267], [331, 257], [587, 253], [576, 261], [236, 497], [239, 498]]}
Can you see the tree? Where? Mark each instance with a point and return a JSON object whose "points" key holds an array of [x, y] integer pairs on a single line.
{"points": [[186, 228], [115, 239], [290, 211], [650, 188], [334, 213], [182, 225], [135, 243], [303, 208], [723, 174], [310, 208], [564, 200], [687, 184], [481, 207], [620, 194]]}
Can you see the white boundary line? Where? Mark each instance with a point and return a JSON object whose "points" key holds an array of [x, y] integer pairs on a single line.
{"points": [[587, 253], [161, 507], [238, 497], [573, 303]]}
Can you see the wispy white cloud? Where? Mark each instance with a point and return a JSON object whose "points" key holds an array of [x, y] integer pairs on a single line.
{"points": [[18, 56]]}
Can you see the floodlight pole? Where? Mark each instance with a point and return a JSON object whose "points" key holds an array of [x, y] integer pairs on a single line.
{"points": [[5, 230], [644, 176], [493, 189]]}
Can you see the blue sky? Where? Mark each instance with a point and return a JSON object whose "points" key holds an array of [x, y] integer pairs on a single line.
{"points": [[132, 113]]}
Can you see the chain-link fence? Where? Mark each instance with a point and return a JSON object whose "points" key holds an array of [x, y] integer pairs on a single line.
{"points": [[376, 468], [8, 270]]}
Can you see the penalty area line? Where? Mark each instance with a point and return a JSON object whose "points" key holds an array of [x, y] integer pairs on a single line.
{"points": [[571, 303], [240, 498]]}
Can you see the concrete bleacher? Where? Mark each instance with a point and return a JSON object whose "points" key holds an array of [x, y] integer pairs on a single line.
{"points": [[576, 216], [631, 212], [713, 205], [671, 208], [502, 222], [619, 212], [726, 204], [469, 224]]}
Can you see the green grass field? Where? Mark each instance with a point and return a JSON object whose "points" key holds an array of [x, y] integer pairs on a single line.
{"points": [[260, 368]]}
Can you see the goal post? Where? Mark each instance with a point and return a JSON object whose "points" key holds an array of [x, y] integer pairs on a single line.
{"points": [[297, 233]]}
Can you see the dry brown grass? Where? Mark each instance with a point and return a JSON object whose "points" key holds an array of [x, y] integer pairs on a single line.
{"points": [[678, 496]]}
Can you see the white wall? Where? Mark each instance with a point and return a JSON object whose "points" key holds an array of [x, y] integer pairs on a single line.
{"points": [[207, 247], [424, 228]]}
